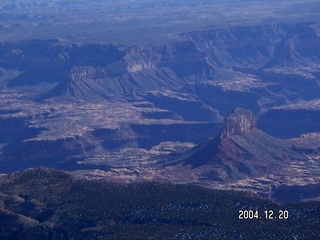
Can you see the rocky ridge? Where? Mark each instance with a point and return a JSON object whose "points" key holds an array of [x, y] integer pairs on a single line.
{"points": [[175, 92], [241, 157]]}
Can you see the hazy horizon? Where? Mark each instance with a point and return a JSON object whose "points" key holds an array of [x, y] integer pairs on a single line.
{"points": [[132, 21]]}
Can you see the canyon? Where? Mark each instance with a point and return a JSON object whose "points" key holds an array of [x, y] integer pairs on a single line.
{"points": [[121, 109], [159, 119]]}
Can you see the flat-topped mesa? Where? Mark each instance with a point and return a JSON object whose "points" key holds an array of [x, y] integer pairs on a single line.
{"points": [[237, 122]]}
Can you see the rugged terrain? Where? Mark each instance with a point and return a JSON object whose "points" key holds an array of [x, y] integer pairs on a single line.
{"points": [[140, 101], [49, 204], [63, 104], [240, 157], [132, 113]]}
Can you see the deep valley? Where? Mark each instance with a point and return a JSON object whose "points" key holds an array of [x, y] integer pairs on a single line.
{"points": [[124, 110], [159, 119]]}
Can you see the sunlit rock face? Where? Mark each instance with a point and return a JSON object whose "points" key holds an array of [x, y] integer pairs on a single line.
{"points": [[86, 72], [238, 121]]}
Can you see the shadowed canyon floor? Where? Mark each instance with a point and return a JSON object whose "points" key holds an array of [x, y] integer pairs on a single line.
{"points": [[125, 109]]}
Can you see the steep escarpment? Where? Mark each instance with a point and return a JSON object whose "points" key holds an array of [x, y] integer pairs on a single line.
{"points": [[262, 46], [244, 157], [106, 97], [195, 57], [238, 122], [241, 150]]}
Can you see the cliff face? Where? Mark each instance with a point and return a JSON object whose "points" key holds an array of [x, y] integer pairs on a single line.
{"points": [[194, 57], [69, 91], [86, 72], [238, 122], [242, 150], [244, 157]]}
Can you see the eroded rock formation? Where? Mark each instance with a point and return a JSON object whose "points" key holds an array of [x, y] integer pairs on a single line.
{"points": [[238, 121]]}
